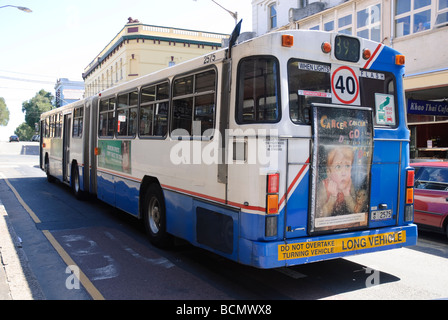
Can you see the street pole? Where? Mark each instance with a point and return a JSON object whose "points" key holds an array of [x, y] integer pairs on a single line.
{"points": [[233, 14], [24, 9]]}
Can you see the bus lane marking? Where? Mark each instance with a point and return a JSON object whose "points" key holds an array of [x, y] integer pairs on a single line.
{"points": [[19, 198], [85, 281]]}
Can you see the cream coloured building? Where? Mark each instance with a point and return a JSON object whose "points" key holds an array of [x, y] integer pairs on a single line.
{"points": [[139, 49], [416, 28]]}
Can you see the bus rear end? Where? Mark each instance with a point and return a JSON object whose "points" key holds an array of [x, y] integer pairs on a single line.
{"points": [[341, 183]]}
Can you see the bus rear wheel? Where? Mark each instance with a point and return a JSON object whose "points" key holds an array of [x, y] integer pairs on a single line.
{"points": [[154, 217]]}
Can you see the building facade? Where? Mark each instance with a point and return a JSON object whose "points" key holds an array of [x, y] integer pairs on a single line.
{"points": [[416, 28], [67, 91], [140, 49]]}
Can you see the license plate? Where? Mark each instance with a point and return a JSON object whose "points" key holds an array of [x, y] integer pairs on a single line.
{"points": [[381, 215]]}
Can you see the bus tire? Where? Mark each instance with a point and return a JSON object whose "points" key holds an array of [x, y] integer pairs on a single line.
{"points": [[154, 217], [74, 181], [50, 178]]}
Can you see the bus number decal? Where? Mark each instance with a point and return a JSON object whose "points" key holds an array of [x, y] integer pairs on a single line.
{"points": [[345, 85], [209, 58]]}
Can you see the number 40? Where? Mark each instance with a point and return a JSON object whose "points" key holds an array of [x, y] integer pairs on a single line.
{"points": [[349, 84]]}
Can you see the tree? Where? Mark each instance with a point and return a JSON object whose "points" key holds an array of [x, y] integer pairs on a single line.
{"points": [[34, 107], [24, 132], [4, 113]]}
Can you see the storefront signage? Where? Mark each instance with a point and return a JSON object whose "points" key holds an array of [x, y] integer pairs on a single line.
{"points": [[434, 108]]}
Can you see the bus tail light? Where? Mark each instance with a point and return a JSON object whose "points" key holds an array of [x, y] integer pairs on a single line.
{"points": [[272, 204], [287, 40], [410, 178], [273, 181], [366, 54], [44, 145], [326, 47], [400, 60], [409, 207], [97, 151], [409, 195]]}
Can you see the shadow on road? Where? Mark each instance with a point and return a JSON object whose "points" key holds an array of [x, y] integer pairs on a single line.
{"points": [[30, 150]]}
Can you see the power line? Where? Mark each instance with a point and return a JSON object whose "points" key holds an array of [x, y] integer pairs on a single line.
{"points": [[27, 80], [30, 74]]}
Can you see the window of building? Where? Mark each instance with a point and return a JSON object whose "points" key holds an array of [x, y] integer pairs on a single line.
{"points": [[106, 123], [258, 96], [194, 99], [412, 16], [127, 114], [368, 23], [273, 16], [442, 12], [154, 102], [329, 26], [345, 24]]}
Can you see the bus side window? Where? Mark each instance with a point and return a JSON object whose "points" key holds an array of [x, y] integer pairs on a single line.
{"points": [[194, 104], [258, 91], [154, 110], [127, 114], [47, 127], [78, 122], [106, 118]]}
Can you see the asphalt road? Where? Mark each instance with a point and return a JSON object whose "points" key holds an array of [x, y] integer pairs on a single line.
{"points": [[65, 240]]}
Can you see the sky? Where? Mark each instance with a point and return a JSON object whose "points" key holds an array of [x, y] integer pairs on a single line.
{"points": [[59, 38]]}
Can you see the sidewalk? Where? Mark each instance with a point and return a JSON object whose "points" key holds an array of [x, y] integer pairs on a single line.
{"points": [[17, 281]]}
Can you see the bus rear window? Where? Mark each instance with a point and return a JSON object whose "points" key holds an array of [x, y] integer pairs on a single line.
{"points": [[378, 93], [308, 82], [258, 91]]}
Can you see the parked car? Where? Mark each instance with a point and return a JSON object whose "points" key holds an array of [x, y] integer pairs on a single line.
{"points": [[36, 137], [13, 138], [431, 195]]}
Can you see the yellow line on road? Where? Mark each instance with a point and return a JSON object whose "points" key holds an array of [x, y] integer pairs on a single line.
{"points": [[19, 198], [88, 285]]}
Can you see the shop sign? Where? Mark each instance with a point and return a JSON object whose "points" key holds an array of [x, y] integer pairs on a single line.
{"points": [[433, 108]]}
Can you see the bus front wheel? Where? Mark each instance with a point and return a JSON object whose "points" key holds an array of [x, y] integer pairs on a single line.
{"points": [[154, 216], [50, 178], [75, 183]]}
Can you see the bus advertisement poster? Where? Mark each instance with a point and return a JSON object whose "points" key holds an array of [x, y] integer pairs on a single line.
{"points": [[115, 155], [342, 159]]}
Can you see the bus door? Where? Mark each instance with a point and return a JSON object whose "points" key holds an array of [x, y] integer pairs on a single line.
{"points": [[66, 148]]}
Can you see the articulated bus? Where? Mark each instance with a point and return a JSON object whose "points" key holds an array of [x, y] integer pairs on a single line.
{"points": [[284, 149]]}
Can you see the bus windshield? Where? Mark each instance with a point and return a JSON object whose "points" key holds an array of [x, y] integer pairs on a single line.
{"points": [[310, 82]]}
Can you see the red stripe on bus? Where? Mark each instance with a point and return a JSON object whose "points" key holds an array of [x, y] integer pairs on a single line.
{"points": [[373, 56], [294, 181]]}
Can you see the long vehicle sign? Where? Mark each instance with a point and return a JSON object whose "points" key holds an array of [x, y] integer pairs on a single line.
{"points": [[323, 247]]}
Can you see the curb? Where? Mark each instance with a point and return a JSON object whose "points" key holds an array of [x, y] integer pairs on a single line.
{"points": [[17, 281]]}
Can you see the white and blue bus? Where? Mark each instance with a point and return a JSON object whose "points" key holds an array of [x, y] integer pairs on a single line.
{"points": [[285, 149]]}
